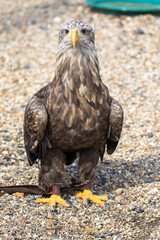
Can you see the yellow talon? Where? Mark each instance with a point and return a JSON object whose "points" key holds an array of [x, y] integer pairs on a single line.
{"points": [[87, 194], [53, 200]]}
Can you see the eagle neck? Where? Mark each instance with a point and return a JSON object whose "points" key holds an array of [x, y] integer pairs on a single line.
{"points": [[77, 68]]}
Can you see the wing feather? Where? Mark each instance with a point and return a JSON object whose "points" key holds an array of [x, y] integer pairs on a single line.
{"points": [[115, 125], [35, 136]]}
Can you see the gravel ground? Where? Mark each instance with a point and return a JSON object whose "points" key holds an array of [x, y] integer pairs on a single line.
{"points": [[129, 55]]}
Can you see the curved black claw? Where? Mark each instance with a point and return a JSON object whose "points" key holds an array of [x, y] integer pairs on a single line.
{"points": [[107, 205], [53, 208], [87, 201], [70, 202], [110, 196]]}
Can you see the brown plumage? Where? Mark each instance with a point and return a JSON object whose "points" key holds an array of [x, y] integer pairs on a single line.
{"points": [[74, 113]]}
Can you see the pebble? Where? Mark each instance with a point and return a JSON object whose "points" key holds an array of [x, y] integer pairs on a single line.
{"points": [[5, 152], [140, 210], [154, 190], [6, 178], [33, 227], [43, 229], [57, 19], [139, 31], [50, 215], [99, 236], [119, 199], [150, 134], [21, 152], [119, 191], [109, 233]]}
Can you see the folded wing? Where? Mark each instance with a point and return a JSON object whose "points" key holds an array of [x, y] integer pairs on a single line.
{"points": [[35, 135], [115, 125]]}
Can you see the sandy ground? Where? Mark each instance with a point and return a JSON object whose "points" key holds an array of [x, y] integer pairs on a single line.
{"points": [[129, 54]]}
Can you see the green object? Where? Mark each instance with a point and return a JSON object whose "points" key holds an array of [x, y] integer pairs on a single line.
{"points": [[127, 5]]}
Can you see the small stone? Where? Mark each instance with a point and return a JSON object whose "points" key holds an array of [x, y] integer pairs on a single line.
{"points": [[120, 191], [124, 196], [103, 181], [121, 85], [98, 235], [57, 19], [10, 213], [150, 134], [154, 191], [42, 229], [7, 158], [108, 233], [120, 199], [26, 66], [50, 215], [5, 152], [140, 210], [33, 227], [6, 178], [16, 206], [33, 22], [91, 231], [139, 31], [21, 152]]}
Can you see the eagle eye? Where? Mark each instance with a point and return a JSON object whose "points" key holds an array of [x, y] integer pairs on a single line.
{"points": [[83, 30], [66, 31]]}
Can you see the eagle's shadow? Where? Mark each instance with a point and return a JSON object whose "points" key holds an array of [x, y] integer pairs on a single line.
{"points": [[110, 174], [113, 174]]}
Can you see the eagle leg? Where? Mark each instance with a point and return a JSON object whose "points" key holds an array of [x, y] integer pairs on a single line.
{"points": [[87, 195], [51, 173], [54, 198], [87, 163]]}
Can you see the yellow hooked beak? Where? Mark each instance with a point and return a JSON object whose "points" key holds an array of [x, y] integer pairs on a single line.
{"points": [[75, 36]]}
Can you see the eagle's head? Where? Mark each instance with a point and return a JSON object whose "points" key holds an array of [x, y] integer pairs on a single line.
{"points": [[76, 60], [76, 34]]}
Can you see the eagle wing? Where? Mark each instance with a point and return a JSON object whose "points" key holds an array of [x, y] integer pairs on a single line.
{"points": [[115, 125], [35, 122]]}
